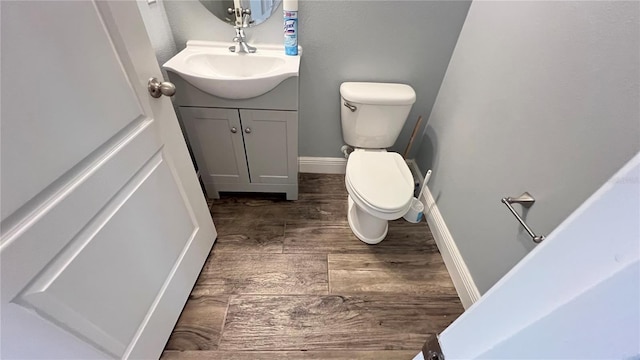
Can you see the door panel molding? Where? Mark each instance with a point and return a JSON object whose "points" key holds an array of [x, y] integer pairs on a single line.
{"points": [[52, 309], [71, 205], [82, 103], [161, 298], [33, 210], [44, 293]]}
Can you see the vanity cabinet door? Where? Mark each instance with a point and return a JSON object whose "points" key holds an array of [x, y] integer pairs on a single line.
{"points": [[215, 136], [271, 142]]}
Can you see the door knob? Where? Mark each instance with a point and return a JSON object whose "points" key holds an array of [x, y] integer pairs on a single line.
{"points": [[234, 130], [247, 130], [157, 88]]}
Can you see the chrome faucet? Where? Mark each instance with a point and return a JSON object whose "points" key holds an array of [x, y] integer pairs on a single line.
{"points": [[243, 20], [241, 43]]}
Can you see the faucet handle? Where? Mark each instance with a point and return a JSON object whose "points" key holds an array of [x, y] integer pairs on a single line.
{"points": [[230, 11], [246, 11], [246, 21]]}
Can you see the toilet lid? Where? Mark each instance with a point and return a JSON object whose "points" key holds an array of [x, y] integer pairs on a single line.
{"points": [[381, 179]]}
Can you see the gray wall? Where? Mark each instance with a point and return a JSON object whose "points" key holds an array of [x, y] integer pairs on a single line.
{"points": [[157, 25], [539, 97], [392, 41]]}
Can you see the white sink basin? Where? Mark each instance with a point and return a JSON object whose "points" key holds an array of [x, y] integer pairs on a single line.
{"points": [[212, 68]]}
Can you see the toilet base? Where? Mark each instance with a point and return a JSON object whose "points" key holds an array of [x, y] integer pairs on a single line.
{"points": [[366, 227]]}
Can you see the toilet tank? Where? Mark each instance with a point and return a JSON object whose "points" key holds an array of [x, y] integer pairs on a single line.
{"points": [[373, 114]]}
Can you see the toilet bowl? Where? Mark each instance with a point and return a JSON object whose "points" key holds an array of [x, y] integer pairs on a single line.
{"points": [[380, 187]]}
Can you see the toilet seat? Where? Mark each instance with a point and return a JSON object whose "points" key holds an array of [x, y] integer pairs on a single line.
{"points": [[381, 181]]}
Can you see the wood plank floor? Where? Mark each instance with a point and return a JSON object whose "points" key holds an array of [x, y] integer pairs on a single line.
{"points": [[240, 273], [288, 280]]}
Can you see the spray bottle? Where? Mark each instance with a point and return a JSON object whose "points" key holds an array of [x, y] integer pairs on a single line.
{"points": [[290, 10]]}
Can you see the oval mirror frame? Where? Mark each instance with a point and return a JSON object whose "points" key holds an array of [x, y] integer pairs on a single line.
{"points": [[261, 10]]}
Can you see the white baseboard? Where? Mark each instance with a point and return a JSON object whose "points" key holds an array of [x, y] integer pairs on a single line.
{"points": [[322, 165], [462, 280]]}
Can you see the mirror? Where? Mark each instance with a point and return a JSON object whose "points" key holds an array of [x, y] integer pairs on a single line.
{"points": [[261, 10]]}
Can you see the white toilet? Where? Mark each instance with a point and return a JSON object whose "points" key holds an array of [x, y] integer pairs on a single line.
{"points": [[379, 183]]}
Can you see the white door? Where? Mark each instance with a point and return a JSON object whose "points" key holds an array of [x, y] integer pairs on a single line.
{"points": [[575, 296], [104, 227]]}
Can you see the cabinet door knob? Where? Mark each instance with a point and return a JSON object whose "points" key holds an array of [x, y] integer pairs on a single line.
{"points": [[247, 130], [234, 130]]}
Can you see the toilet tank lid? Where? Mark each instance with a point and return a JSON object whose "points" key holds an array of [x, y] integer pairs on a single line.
{"points": [[378, 93]]}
